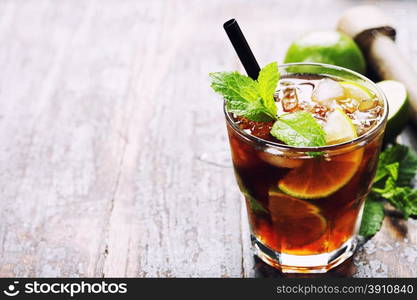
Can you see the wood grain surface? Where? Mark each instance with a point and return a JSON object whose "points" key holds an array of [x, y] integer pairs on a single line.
{"points": [[114, 159]]}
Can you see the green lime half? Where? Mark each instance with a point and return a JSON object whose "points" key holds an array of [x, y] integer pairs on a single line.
{"points": [[399, 111], [328, 47]]}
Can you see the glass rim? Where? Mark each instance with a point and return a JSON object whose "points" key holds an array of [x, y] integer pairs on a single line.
{"points": [[354, 141]]}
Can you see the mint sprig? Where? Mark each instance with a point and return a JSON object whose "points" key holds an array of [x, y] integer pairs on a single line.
{"points": [[397, 167], [247, 97], [254, 100]]}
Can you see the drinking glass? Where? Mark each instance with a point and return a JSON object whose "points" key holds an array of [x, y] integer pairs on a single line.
{"points": [[316, 230]]}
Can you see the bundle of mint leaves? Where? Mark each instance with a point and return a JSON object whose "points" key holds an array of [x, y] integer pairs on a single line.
{"points": [[397, 167], [254, 99]]}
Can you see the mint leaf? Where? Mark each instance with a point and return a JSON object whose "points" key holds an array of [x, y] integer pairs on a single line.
{"points": [[407, 168], [389, 156], [373, 215], [242, 96], [397, 167], [267, 84], [406, 160], [254, 111], [392, 170], [404, 199], [299, 129], [247, 97], [388, 190], [234, 86]]}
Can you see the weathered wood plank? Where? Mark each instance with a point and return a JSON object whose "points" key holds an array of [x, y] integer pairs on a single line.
{"points": [[174, 182], [64, 113]]}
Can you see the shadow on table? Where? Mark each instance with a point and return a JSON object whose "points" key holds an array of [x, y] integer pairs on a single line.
{"points": [[262, 270]]}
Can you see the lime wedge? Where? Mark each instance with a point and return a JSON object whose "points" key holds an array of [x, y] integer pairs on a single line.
{"points": [[339, 128], [356, 91], [296, 222], [319, 178], [399, 112]]}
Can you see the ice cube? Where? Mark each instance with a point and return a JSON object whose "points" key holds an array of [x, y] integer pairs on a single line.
{"points": [[364, 121], [349, 106], [289, 99], [243, 155], [326, 91], [280, 161], [319, 111], [258, 129], [365, 105]]}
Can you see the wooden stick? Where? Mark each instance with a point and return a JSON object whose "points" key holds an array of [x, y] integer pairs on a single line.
{"points": [[387, 61], [375, 34]]}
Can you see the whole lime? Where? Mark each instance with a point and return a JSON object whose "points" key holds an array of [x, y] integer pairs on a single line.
{"points": [[328, 47]]}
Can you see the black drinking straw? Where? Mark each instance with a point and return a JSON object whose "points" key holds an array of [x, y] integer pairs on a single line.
{"points": [[242, 48]]}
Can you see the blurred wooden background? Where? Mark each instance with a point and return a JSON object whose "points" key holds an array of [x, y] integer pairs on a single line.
{"points": [[113, 152]]}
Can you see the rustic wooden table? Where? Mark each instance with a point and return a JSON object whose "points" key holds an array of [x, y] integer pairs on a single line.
{"points": [[113, 152]]}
